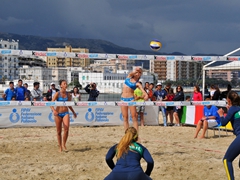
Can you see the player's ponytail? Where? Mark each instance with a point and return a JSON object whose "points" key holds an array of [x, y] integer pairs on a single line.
{"points": [[130, 136]]}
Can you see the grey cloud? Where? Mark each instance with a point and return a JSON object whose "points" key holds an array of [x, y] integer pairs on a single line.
{"points": [[186, 26]]}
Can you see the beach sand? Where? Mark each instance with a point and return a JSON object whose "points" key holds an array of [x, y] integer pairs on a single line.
{"points": [[32, 153]]}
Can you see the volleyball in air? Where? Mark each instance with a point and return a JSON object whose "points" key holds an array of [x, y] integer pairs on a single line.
{"points": [[155, 45]]}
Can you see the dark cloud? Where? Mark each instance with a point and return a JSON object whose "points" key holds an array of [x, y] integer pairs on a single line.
{"points": [[185, 26]]}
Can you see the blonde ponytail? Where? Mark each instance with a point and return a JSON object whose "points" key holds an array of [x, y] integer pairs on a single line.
{"points": [[130, 136]]}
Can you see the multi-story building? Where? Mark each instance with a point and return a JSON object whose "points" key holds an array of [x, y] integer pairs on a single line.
{"points": [[68, 62], [175, 69], [112, 64], [31, 62], [108, 82], [8, 64]]}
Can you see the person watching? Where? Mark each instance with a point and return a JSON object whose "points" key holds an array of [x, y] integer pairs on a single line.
{"points": [[51, 92], [91, 89], [36, 92], [9, 93]]}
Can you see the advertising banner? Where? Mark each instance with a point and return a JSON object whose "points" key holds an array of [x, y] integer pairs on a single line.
{"points": [[30, 116]]}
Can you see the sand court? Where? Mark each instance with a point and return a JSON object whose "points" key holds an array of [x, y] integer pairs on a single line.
{"points": [[32, 153]]}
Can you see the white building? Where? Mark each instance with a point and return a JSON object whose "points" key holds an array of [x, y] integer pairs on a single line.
{"points": [[8, 64], [109, 82]]}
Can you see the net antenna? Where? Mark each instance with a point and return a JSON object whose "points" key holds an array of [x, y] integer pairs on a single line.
{"points": [[204, 70]]}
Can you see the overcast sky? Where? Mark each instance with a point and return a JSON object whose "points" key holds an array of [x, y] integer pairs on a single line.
{"points": [[187, 26]]}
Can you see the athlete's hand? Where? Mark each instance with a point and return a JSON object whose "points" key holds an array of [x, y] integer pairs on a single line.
{"points": [[146, 97], [74, 115], [220, 112], [55, 112]]}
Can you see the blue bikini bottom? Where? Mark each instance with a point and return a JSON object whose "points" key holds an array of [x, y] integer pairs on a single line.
{"points": [[63, 114], [127, 99]]}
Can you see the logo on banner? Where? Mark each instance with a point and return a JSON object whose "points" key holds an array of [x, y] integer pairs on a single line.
{"points": [[19, 103], [14, 116], [89, 116], [51, 117], [20, 52], [26, 116], [5, 103]]}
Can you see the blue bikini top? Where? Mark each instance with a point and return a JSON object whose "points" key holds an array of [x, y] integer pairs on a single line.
{"points": [[130, 84], [60, 98]]}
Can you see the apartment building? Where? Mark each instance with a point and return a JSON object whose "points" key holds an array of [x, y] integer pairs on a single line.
{"points": [[175, 69], [68, 62], [8, 64]]}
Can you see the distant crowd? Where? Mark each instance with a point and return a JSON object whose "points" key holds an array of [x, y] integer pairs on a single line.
{"points": [[167, 94], [20, 92]]}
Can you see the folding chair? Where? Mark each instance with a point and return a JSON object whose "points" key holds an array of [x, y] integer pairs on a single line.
{"points": [[219, 128]]}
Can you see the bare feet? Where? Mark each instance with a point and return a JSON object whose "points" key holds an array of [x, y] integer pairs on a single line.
{"points": [[64, 148], [201, 137], [60, 149]]}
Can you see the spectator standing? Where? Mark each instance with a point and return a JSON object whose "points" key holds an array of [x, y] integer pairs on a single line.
{"points": [[146, 86], [150, 92], [51, 92], [20, 91], [179, 96], [224, 93], [206, 93], [169, 109], [216, 94], [36, 92], [212, 90], [9, 93], [161, 95], [197, 95], [91, 89], [28, 92], [139, 97], [76, 96]]}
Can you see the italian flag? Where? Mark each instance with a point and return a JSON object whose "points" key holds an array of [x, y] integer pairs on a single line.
{"points": [[191, 114]]}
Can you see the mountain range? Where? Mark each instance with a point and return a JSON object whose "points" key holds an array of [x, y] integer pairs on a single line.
{"points": [[30, 42]]}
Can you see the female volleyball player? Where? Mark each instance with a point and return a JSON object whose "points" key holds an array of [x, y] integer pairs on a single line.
{"points": [[130, 84], [233, 115], [61, 115], [129, 154]]}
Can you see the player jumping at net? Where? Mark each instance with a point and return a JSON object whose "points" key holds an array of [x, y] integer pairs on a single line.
{"points": [[129, 154], [233, 116], [61, 115], [130, 84]]}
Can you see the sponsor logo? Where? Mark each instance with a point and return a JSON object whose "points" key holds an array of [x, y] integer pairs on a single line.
{"points": [[39, 104], [207, 58], [160, 103], [197, 58], [92, 103], [6, 51], [89, 116], [50, 103], [122, 104], [170, 57], [126, 56], [93, 55], [206, 103], [5, 103], [233, 58], [51, 54], [169, 103], [35, 53], [26, 116], [82, 104], [160, 58], [82, 56]]}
